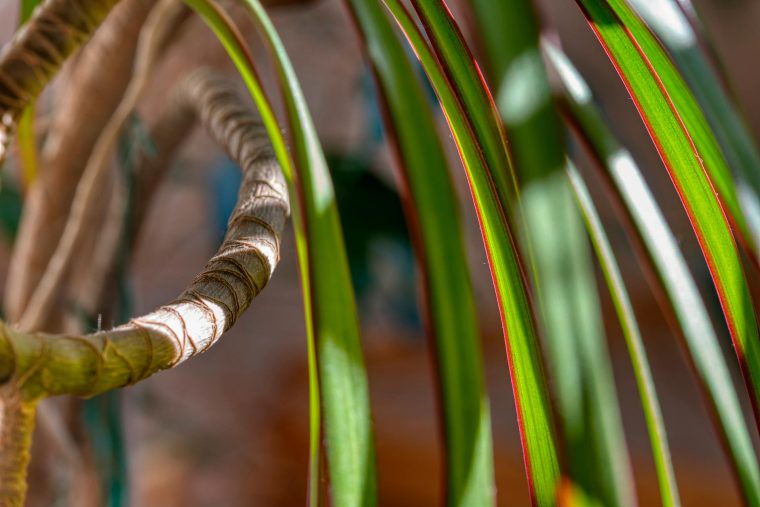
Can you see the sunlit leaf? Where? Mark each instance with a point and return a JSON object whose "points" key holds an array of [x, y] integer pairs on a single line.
{"points": [[628, 186], [597, 456], [529, 384], [449, 299], [332, 323], [685, 147], [673, 29]]}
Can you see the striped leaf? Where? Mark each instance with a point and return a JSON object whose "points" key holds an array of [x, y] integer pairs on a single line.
{"points": [[627, 185], [671, 25], [598, 460], [683, 147], [332, 323], [433, 212], [529, 384]]}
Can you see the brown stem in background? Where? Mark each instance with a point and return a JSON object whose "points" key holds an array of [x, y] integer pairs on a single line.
{"points": [[95, 293], [91, 283], [37, 52], [93, 91], [84, 212]]}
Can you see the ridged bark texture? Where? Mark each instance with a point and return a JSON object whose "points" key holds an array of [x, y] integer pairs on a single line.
{"points": [[93, 90], [36, 365], [36, 53], [16, 426]]}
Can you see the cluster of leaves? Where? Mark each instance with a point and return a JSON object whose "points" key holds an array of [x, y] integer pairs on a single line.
{"points": [[536, 215]]}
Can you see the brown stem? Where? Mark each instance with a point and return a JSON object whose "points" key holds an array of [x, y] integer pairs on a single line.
{"points": [[16, 426], [37, 52], [92, 92], [84, 212], [45, 364], [95, 292], [35, 365]]}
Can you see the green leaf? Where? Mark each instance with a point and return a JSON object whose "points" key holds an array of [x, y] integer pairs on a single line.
{"points": [[672, 27], [332, 323], [624, 178], [452, 319], [529, 384], [633, 341], [597, 456], [684, 147]]}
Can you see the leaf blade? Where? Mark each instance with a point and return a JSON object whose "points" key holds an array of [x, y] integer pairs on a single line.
{"points": [[731, 133], [452, 318], [615, 30], [628, 187], [336, 371], [529, 385], [627, 318]]}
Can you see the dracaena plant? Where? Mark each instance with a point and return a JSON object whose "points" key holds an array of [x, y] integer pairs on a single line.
{"points": [[540, 229]]}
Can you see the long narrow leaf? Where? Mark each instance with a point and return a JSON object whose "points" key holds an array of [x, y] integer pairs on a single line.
{"points": [[672, 27], [342, 376], [450, 305], [596, 452], [332, 324], [623, 36], [633, 340], [529, 384], [689, 114], [642, 212]]}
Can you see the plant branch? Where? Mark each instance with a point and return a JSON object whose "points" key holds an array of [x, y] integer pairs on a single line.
{"points": [[93, 90], [45, 364], [37, 52], [16, 427], [36, 365], [94, 179]]}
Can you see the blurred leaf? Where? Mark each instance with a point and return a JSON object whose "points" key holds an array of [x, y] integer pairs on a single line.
{"points": [[434, 212], [26, 7], [11, 204], [672, 27], [627, 317], [629, 188], [566, 287], [332, 323], [686, 149], [529, 384]]}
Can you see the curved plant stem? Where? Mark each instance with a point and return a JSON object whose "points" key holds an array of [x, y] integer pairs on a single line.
{"points": [[36, 365], [338, 386], [36, 53]]}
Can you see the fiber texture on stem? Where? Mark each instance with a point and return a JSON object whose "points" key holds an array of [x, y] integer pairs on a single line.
{"points": [[84, 211], [36, 365], [95, 84], [37, 52]]}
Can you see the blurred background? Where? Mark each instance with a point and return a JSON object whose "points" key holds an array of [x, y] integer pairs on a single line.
{"points": [[230, 428]]}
